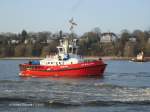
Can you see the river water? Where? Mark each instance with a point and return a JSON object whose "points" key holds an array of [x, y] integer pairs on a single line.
{"points": [[125, 87]]}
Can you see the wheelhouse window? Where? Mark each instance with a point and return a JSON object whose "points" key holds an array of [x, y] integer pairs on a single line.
{"points": [[61, 49], [70, 49], [74, 50]]}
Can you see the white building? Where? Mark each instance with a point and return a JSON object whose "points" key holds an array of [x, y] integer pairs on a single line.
{"points": [[14, 41], [132, 39], [108, 37]]}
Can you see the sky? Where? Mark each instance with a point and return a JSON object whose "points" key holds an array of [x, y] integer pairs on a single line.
{"points": [[53, 15]]}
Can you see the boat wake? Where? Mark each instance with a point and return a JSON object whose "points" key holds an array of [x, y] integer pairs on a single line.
{"points": [[19, 102], [62, 93]]}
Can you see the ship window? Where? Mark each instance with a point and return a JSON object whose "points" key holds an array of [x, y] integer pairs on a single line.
{"points": [[74, 50], [51, 62], [60, 49], [60, 63], [70, 49]]}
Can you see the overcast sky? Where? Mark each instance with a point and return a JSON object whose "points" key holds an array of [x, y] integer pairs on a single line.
{"points": [[53, 15]]}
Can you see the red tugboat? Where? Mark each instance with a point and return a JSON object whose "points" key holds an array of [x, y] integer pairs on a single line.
{"points": [[66, 63]]}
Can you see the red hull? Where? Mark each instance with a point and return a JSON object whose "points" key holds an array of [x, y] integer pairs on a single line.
{"points": [[95, 68]]}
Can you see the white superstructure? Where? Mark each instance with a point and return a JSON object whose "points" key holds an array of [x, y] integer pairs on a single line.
{"points": [[67, 54]]}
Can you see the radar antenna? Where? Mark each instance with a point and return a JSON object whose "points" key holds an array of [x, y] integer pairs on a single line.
{"points": [[72, 24]]}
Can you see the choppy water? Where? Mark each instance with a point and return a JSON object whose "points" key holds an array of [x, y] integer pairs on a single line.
{"points": [[124, 87]]}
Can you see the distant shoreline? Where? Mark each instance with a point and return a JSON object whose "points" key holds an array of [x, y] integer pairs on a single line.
{"points": [[21, 58], [86, 57]]}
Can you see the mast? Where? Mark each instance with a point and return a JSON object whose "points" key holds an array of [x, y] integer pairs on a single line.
{"points": [[68, 45], [73, 43], [72, 25]]}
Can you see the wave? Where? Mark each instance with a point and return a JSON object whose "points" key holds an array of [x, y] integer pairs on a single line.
{"points": [[70, 93], [21, 102], [112, 103], [126, 73]]}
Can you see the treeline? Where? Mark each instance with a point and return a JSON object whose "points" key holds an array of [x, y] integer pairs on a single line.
{"points": [[91, 43], [126, 44]]}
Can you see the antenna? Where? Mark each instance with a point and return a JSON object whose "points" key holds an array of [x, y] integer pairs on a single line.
{"points": [[72, 24]]}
